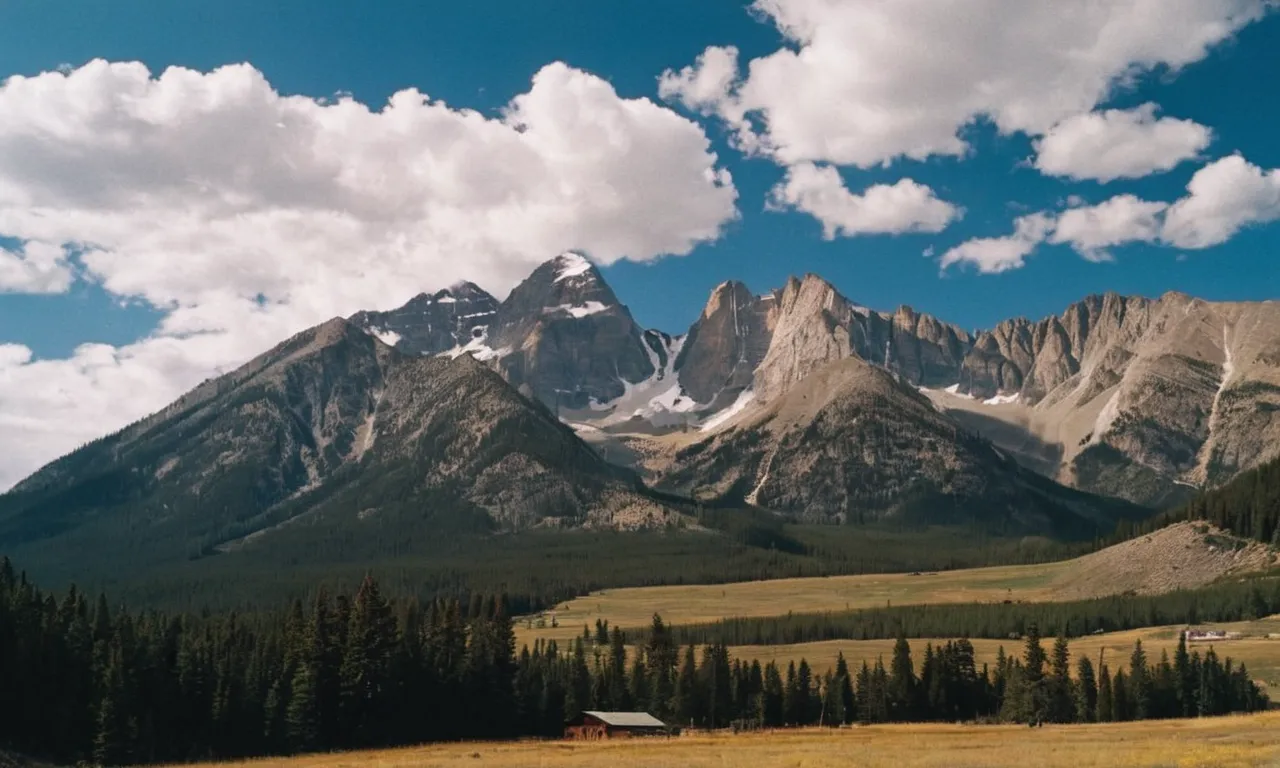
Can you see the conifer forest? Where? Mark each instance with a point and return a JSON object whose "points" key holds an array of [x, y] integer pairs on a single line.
{"points": [[111, 686]]}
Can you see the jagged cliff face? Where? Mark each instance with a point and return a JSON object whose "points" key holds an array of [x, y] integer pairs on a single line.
{"points": [[1132, 397], [816, 325], [1142, 396], [331, 427], [1127, 396], [562, 336], [431, 324], [852, 443], [727, 343]]}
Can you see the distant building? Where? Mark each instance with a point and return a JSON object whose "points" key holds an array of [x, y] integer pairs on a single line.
{"points": [[1208, 635], [593, 726]]}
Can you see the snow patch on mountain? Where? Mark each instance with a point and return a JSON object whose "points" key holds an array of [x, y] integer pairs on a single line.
{"points": [[1003, 399], [657, 398], [570, 264], [579, 311], [478, 346], [723, 417], [1106, 417], [390, 338]]}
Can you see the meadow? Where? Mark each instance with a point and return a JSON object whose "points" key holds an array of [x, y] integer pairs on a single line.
{"points": [[1224, 742], [633, 608], [1260, 654]]}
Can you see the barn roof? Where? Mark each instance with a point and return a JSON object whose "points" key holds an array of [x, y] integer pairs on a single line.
{"points": [[628, 719]]}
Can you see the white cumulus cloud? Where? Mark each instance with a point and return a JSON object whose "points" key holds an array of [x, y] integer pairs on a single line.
{"points": [[862, 82], [1091, 230], [993, 255], [905, 206], [34, 267], [1222, 198], [1119, 144], [704, 85], [248, 215]]}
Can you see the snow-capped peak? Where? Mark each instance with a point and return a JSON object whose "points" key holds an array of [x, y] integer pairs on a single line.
{"points": [[570, 264]]}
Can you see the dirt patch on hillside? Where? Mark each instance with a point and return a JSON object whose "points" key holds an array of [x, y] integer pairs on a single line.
{"points": [[1181, 556]]}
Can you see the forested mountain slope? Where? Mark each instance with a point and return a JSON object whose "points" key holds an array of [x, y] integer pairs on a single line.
{"points": [[333, 438]]}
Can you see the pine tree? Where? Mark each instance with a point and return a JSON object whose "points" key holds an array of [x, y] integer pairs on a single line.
{"points": [[1121, 708], [792, 700], [366, 663], [773, 709], [1086, 709], [862, 693], [302, 717], [1139, 684], [1185, 681], [902, 682], [662, 655], [1106, 696], [685, 702], [111, 744], [1061, 704], [1033, 662], [848, 708]]}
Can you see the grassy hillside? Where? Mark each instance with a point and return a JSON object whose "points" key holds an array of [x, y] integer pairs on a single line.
{"points": [[1179, 557], [1227, 742]]}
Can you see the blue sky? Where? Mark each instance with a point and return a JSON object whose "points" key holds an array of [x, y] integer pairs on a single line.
{"points": [[481, 55]]}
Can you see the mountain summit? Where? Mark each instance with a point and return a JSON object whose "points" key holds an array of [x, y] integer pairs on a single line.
{"points": [[1127, 396]]}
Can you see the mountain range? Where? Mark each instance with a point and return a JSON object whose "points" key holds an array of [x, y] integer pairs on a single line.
{"points": [[460, 414], [1144, 399]]}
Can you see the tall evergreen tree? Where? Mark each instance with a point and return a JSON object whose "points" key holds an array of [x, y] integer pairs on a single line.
{"points": [[1138, 684], [844, 682], [1185, 680], [1106, 697], [902, 682], [1086, 692], [1061, 702]]}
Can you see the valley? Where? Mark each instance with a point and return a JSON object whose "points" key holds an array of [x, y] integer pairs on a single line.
{"points": [[1178, 557]]}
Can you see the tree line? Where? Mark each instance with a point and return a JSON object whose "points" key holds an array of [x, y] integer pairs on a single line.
{"points": [[1237, 601], [111, 686], [1248, 506]]}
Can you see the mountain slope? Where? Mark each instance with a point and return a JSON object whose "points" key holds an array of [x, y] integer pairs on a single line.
{"points": [[1148, 399], [1135, 396], [563, 336], [852, 443], [430, 324], [335, 428]]}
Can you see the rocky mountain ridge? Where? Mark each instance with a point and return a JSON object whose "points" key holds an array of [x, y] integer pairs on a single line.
{"points": [[332, 430], [1119, 395]]}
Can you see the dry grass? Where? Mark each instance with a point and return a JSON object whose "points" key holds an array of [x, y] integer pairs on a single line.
{"points": [[1260, 654], [1173, 558], [634, 607], [1218, 742]]}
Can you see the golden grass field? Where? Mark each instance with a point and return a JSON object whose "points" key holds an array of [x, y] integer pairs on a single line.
{"points": [[1259, 654], [634, 607], [1225, 742]]}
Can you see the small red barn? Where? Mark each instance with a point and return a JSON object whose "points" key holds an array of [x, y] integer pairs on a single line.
{"points": [[592, 726]]}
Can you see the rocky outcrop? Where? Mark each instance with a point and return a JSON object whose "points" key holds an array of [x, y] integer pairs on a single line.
{"points": [[562, 336], [852, 443], [1146, 399], [330, 427], [430, 324], [816, 325], [727, 343]]}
